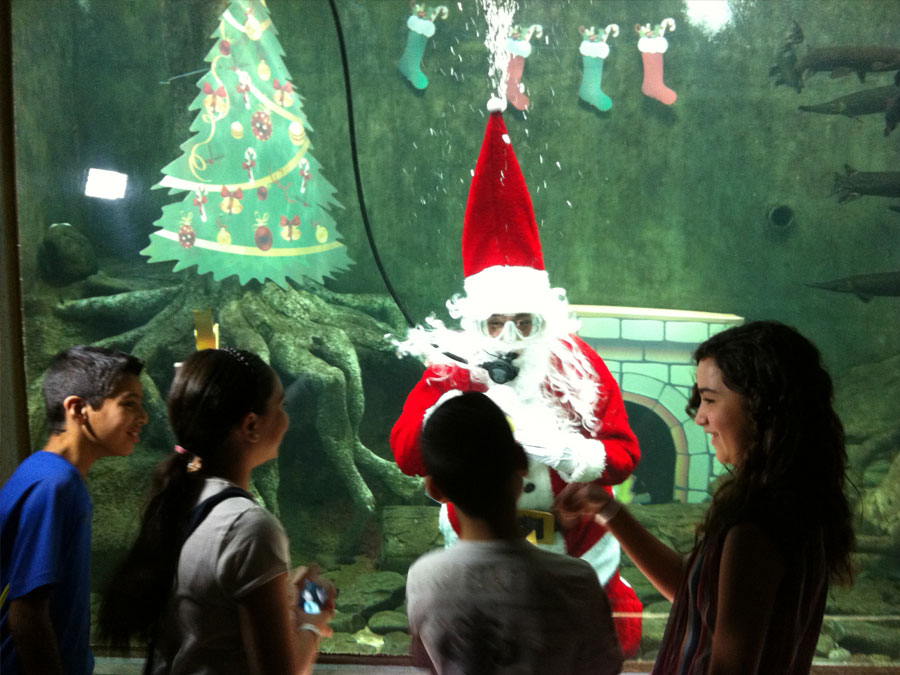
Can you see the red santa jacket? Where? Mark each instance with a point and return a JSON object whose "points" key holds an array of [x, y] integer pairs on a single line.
{"points": [[622, 452]]}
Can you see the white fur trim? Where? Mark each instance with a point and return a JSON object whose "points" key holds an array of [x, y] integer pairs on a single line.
{"points": [[599, 50], [604, 557], [421, 26], [518, 47], [588, 457], [446, 396], [496, 104], [506, 289], [654, 45]]}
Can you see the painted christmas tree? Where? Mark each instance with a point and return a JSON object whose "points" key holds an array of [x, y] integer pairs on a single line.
{"points": [[255, 201]]}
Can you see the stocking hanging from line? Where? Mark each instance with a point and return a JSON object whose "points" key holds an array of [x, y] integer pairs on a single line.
{"points": [[594, 51], [652, 46], [421, 27], [518, 44]]}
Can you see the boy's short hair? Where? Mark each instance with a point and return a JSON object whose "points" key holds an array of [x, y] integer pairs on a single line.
{"points": [[470, 453], [93, 373]]}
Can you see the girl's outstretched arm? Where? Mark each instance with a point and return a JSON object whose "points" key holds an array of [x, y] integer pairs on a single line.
{"points": [[662, 566]]}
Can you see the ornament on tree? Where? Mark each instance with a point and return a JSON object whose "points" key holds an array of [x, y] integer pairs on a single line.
{"points": [[261, 125], [216, 100], [262, 235], [186, 235], [282, 95], [231, 200], [421, 27], [594, 50], [290, 229], [248, 86], [652, 46], [296, 133], [263, 70], [518, 44], [223, 237]]}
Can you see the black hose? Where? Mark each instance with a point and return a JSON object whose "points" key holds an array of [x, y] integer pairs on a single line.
{"points": [[355, 156]]}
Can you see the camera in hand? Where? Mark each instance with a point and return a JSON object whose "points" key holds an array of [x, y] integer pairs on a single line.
{"points": [[312, 597]]}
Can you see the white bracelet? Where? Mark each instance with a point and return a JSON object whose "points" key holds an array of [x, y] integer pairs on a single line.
{"points": [[312, 628], [608, 512]]}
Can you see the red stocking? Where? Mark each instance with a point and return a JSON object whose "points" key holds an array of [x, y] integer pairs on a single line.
{"points": [[514, 90], [653, 85], [652, 46]]}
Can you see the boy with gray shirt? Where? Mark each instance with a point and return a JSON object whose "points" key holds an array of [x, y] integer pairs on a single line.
{"points": [[493, 603]]}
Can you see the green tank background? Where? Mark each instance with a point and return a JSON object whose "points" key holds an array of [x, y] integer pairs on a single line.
{"points": [[646, 205]]}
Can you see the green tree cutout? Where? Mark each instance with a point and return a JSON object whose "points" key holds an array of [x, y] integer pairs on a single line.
{"points": [[256, 204]]}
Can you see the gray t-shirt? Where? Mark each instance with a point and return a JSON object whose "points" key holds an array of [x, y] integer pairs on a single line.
{"points": [[507, 607], [236, 549]]}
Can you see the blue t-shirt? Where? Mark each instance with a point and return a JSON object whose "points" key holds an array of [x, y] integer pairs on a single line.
{"points": [[45, 540]]}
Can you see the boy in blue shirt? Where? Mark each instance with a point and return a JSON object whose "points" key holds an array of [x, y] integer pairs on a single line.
{"points": [[94, 408]]}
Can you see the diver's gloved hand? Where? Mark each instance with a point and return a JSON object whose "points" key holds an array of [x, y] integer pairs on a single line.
{"points": [[574, 457]]}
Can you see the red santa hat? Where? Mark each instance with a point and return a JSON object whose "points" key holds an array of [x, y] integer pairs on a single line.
{"points": [[501, 251]]}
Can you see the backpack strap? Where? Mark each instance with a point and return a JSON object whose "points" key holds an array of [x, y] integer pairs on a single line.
{"points": [[196, 516]]}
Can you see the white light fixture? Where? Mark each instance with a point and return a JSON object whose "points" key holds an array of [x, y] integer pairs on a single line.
{"points": [[710, 16], [105, 184]]}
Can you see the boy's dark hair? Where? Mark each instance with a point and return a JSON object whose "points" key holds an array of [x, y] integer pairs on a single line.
{"points": [[93, 373], [470, 453]]}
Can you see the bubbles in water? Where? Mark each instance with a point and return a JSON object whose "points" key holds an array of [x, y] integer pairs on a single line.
{"points": [[499, 15]]}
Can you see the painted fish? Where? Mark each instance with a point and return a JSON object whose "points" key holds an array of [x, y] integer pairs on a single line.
{"points": [[855, 184], [864, 286]]}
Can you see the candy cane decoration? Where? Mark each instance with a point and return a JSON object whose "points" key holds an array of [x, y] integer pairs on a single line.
{"points": [[244, 86], [440, 10], [611, 28], [304, 173], [199, 201], [249, 162]]}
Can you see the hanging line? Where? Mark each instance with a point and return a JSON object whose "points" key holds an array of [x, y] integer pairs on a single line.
{"points": [[354, 155]]}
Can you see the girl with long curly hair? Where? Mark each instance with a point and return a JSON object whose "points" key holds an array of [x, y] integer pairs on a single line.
{"points": [[750, 596]]}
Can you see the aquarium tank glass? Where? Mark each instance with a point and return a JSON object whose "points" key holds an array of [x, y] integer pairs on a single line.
{"points": [[277, 176]]}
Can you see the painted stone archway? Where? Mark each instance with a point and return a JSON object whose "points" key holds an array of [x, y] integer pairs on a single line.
{"points": [[648, 352]]}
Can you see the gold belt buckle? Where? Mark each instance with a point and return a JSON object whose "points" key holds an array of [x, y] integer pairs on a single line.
{"points": [[537, 526]]}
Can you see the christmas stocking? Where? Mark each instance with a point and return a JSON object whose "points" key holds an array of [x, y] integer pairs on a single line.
{"points": [[519, 47], [421, 27], [653, 45], [594, 51]]}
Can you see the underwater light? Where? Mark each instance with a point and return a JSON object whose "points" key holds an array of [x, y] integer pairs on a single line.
{"points": [[710, 16], [105, 184]]}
